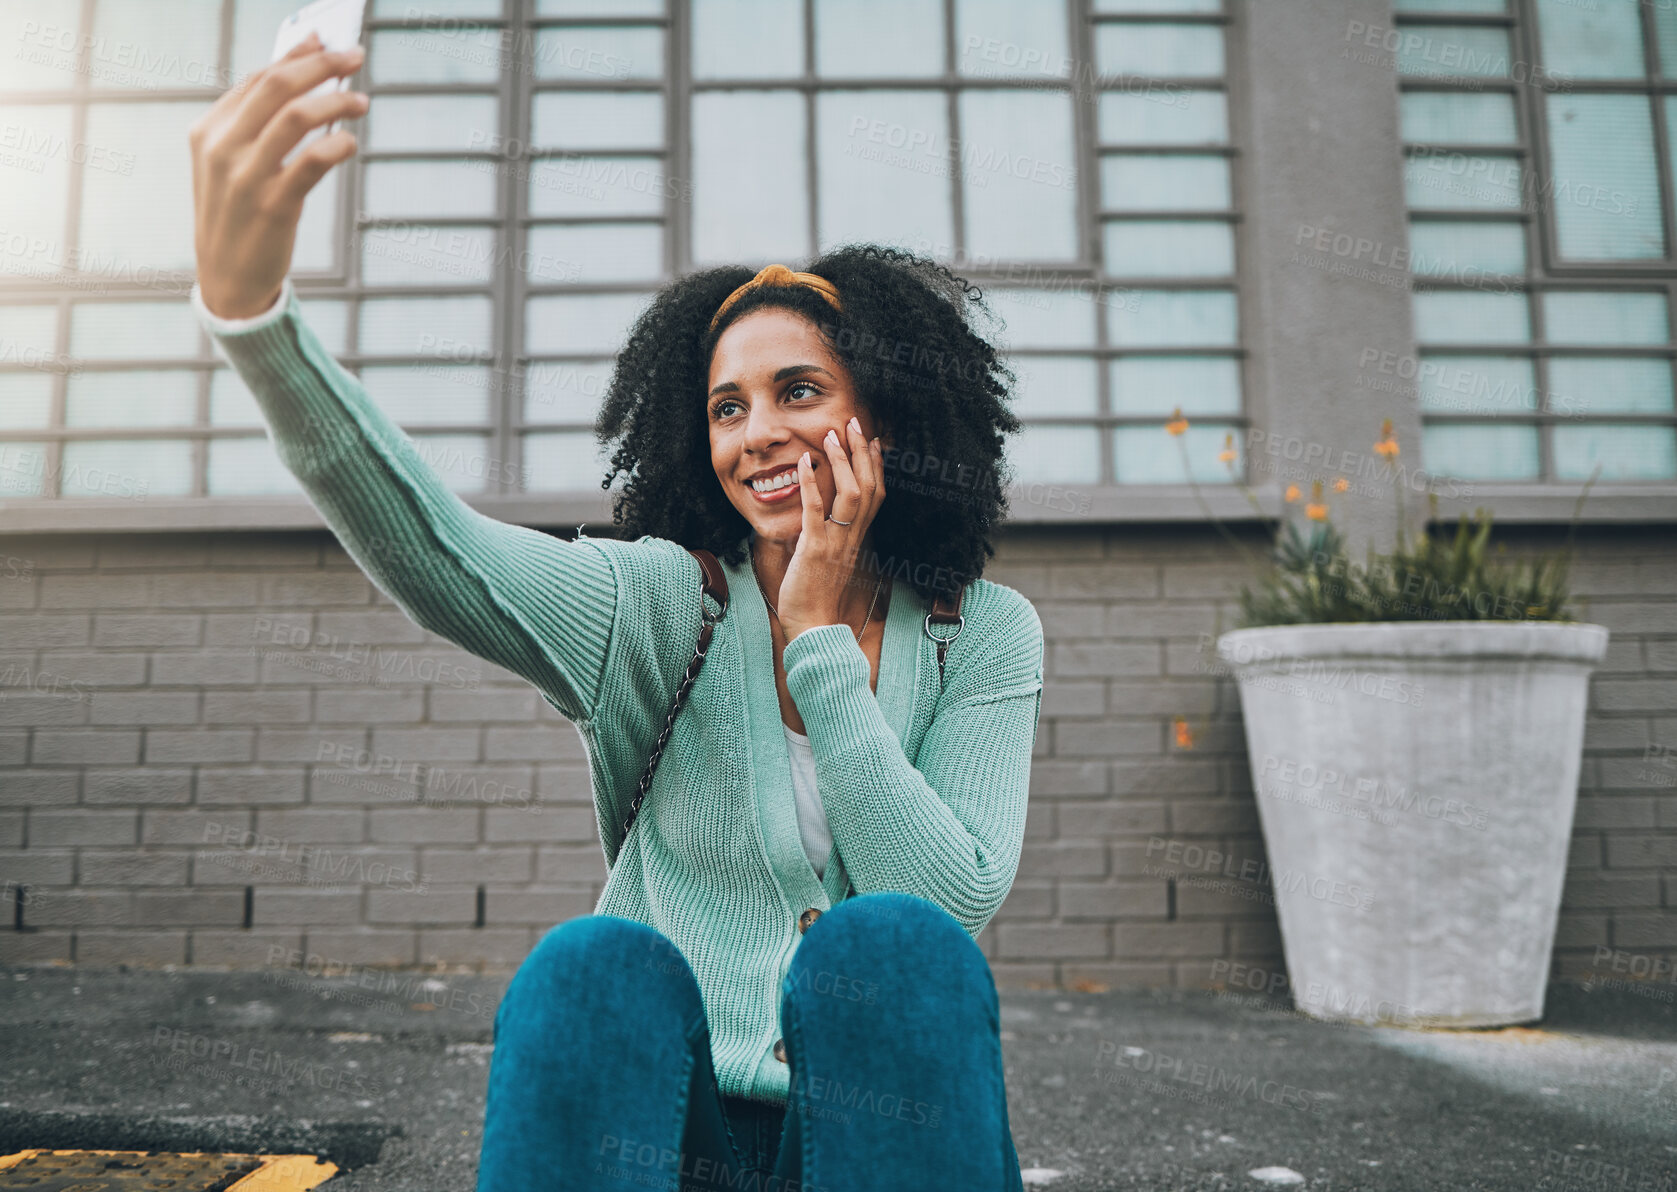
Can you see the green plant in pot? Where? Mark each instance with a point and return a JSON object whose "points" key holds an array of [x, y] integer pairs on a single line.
{"points": [[1414, 725]]}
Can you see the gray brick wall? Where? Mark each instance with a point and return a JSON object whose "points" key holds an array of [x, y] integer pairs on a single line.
{"points": [[183, 782]]}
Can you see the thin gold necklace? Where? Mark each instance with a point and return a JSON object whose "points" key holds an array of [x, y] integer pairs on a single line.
{"points": [[879, 583]]}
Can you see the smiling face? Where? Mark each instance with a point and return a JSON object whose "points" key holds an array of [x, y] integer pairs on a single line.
{"points": [[775, 389]]}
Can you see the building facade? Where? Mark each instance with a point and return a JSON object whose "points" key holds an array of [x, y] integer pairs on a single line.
{"points": [[1283, 221]]}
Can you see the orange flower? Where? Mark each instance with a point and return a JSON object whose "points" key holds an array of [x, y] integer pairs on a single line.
{"points": [[1184, 735], [1341, 485], [1291, 495], [1387, 447], [1226, 455], [1316, 511], [1177, 423]]}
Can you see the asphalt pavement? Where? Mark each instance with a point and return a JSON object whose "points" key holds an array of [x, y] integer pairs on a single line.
{"points": [[385, 1076]]}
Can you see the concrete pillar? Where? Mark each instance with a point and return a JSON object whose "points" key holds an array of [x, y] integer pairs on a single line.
{"points": [[1326, 257]]}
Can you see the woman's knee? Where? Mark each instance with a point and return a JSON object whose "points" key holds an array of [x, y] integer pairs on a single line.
{"points": [[594, 962], [887, 935], [886, 915]]}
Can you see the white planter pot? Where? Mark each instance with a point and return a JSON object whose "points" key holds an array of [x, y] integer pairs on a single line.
{"points": [[1415, 785]]}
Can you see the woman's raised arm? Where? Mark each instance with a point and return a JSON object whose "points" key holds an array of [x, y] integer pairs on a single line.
{"points": [[536, 605]]}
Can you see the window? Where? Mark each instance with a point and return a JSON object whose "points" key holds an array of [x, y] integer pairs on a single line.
{"points": [[1537, 173], [1078, 169], [530, 171], [1171, 331]]}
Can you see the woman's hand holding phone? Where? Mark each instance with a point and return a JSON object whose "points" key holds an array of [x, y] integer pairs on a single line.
{"points": [[246, 203]]}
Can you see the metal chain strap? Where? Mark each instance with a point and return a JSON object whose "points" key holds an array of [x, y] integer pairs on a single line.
{"points": [[687, 680]]}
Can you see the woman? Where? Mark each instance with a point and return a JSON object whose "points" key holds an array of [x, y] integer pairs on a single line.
{"points": [[779, 987]]}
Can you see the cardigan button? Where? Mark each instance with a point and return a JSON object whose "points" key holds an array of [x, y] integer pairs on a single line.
{"points": [[810, 915], [780, 1050]]}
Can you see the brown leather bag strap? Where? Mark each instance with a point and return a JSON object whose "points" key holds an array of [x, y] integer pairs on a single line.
{"points": [[713, 583], [713, 579], [945, 612]]}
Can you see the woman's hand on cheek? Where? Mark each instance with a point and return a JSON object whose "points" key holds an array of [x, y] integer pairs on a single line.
{"points": [[818, 578]]}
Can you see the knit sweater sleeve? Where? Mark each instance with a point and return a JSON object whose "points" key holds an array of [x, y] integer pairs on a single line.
{"points": [[950, 827], [521, 599]]}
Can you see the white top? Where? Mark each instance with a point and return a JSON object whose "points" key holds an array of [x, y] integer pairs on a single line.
{"points": [[812, 817]]}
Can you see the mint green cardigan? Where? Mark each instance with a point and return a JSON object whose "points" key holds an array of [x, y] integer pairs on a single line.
{"points": [[924, 787]]}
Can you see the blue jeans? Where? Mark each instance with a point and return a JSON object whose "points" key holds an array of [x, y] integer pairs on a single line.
{"points": [[602, 1080]]}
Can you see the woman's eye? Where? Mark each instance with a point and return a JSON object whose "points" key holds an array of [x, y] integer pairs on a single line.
{"points": [[720, 410]]}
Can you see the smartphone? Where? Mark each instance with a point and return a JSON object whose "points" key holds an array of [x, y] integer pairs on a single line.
{"points": [[338, 22]]}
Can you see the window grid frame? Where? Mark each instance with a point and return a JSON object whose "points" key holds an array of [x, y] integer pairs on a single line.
{"points": [[510, 223], [517, 426], [1545, 272], [1655, 88], [1094, 150]]}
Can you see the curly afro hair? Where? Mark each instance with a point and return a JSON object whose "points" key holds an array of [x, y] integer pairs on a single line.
{"points": [[937, 388]]}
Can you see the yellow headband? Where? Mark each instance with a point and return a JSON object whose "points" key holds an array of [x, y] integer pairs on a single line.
{"points": [[779, 275]]}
